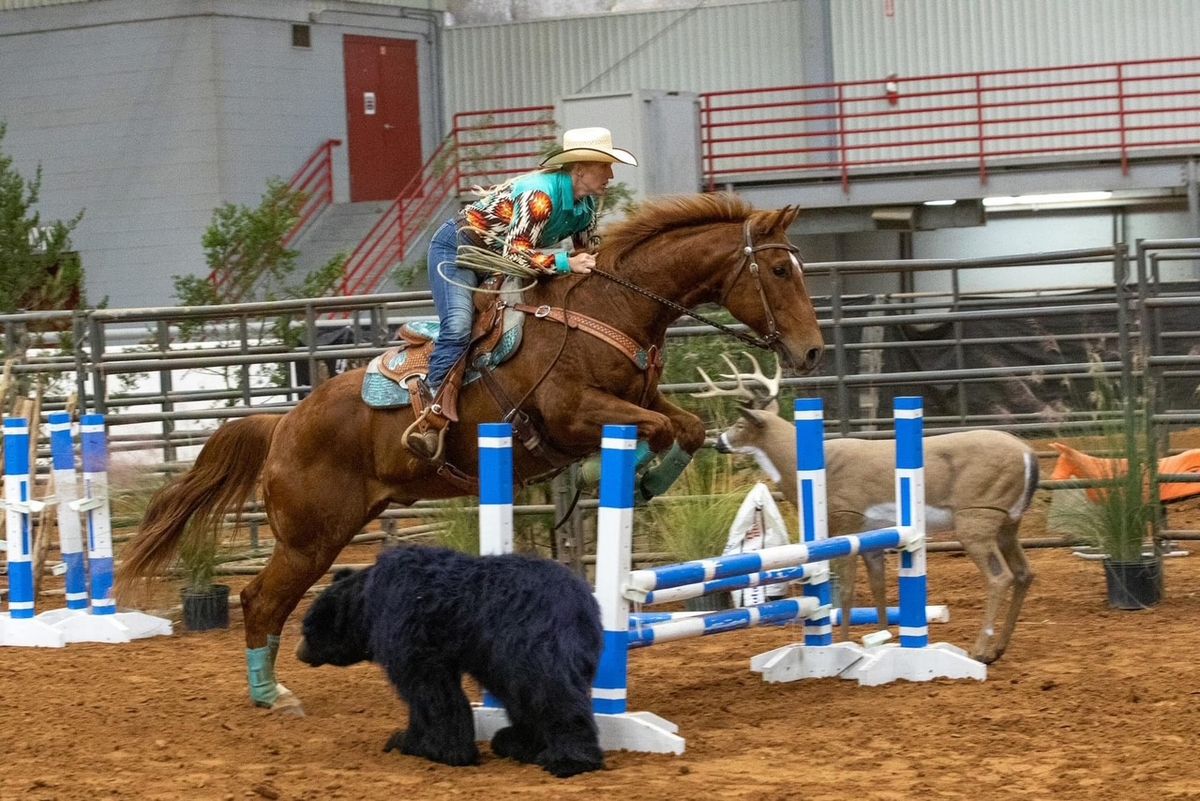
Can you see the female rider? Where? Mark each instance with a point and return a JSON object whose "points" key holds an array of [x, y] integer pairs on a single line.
{"points": [[518, 220]]}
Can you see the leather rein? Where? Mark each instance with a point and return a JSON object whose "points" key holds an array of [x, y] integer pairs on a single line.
{"points": [[647, 359], [749, 249]]}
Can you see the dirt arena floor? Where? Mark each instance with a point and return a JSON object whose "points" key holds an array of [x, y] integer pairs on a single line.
{"points": [[1089, 703]]}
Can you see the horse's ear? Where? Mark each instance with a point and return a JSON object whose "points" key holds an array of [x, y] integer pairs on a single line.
{"points": [[784, 218]]}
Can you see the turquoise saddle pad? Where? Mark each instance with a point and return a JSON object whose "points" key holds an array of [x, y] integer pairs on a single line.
{"points": [[381, 392]]}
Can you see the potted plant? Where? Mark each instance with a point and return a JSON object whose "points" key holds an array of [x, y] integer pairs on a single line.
{"points": [[205, 603], [1117, 518]]}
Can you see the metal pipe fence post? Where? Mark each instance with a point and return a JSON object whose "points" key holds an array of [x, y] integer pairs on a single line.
{"points": [[99, 380], [166, 386], [79, 329], [839, 350], [244, 344]]}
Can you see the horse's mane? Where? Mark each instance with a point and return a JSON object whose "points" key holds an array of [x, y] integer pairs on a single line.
{"points": [[667, 213]]}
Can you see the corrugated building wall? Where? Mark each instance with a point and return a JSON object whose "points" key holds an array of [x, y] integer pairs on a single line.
{"points": [[707, 47], [747, 45], [716, 47], [431, 5], [926, 37]]}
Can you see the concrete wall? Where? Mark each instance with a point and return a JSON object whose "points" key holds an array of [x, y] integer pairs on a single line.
{"points": [[148, 116]]}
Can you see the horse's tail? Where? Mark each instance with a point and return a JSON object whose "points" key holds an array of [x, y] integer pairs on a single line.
{"points": [[223, 477]]}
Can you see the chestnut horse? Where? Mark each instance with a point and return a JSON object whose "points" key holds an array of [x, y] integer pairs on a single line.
{"points": [[331, 464]]}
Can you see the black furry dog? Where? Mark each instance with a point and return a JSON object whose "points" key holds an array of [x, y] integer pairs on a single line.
{"points": [[526, 629]]}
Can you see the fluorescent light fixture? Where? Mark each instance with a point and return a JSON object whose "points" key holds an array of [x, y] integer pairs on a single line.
{"points": [[939, 202], [1046, 200]]}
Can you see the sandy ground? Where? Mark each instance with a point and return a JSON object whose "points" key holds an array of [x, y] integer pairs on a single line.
{"points": [[1089, 703]]}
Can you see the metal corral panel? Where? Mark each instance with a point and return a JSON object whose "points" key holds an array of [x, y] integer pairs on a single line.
{"points": [[708, 47], [927, 37]]}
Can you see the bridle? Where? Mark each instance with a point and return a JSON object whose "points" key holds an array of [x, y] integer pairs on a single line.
{"points": [[748, 250]]}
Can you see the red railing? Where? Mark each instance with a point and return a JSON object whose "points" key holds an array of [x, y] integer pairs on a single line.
{"points": [[498, 144], [402, 222], [472, 154], [1099, 111], [315, 180]]}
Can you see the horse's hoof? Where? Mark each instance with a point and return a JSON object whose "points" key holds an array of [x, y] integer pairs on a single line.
{"points": [[986, 657], [288, 704], [285, 703]]}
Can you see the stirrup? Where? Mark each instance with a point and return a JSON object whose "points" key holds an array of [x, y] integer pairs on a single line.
{"points": [[428, 444]]}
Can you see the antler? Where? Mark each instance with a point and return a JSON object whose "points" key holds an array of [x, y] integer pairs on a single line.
{"points": [[748, 394], [713, 391], [771, 385]]}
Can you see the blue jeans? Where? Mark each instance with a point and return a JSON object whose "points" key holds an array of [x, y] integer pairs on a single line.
{"points": [[455, 304]]}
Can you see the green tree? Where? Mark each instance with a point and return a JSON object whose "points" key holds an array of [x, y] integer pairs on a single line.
{"points": [[244, 248], [37, 268]]}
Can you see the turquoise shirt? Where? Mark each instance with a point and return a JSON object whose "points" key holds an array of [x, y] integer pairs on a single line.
{"points": [[567, 216], [521, 220]]}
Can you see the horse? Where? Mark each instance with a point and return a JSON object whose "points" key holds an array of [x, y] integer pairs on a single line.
{"points": [[332, 464]]}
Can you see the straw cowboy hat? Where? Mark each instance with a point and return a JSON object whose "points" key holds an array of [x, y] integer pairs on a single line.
{"points": [[589, 144]]}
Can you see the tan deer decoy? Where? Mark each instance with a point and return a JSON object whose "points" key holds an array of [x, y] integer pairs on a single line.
{"points": [[978, 484]]}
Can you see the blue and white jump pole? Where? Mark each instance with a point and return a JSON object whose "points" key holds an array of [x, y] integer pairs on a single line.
{"points": [[70, 536], [97, 512], [820, 657], [103, 623], [495, 536], [879, 662], [619, 728], [77, 622], [20, 626], [66, 491], [495, 489], [859, 615], [915, 659], [617, 585]]}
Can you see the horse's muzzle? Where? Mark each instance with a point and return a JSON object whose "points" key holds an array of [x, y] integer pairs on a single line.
{"points": [[803, 362]]}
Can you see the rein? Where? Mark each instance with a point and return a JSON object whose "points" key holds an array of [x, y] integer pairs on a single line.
{"points": [[748, 251]]}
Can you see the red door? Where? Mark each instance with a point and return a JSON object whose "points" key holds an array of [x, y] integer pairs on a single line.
{"points": [[383, 119]]}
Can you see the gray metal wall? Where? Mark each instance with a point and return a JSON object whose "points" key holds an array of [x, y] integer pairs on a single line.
{"points": [[926, 37], [746, 45], [433, 5], [705, 48], [148, 116]]}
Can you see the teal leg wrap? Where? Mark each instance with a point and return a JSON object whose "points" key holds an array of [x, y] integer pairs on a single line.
{"points": [[260, 665], [642, 454], [659, 478], [589, 470], [589, 473]]}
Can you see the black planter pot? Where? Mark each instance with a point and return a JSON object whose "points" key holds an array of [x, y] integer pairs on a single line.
{"points": [[206, 608], [1134, 585]]}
